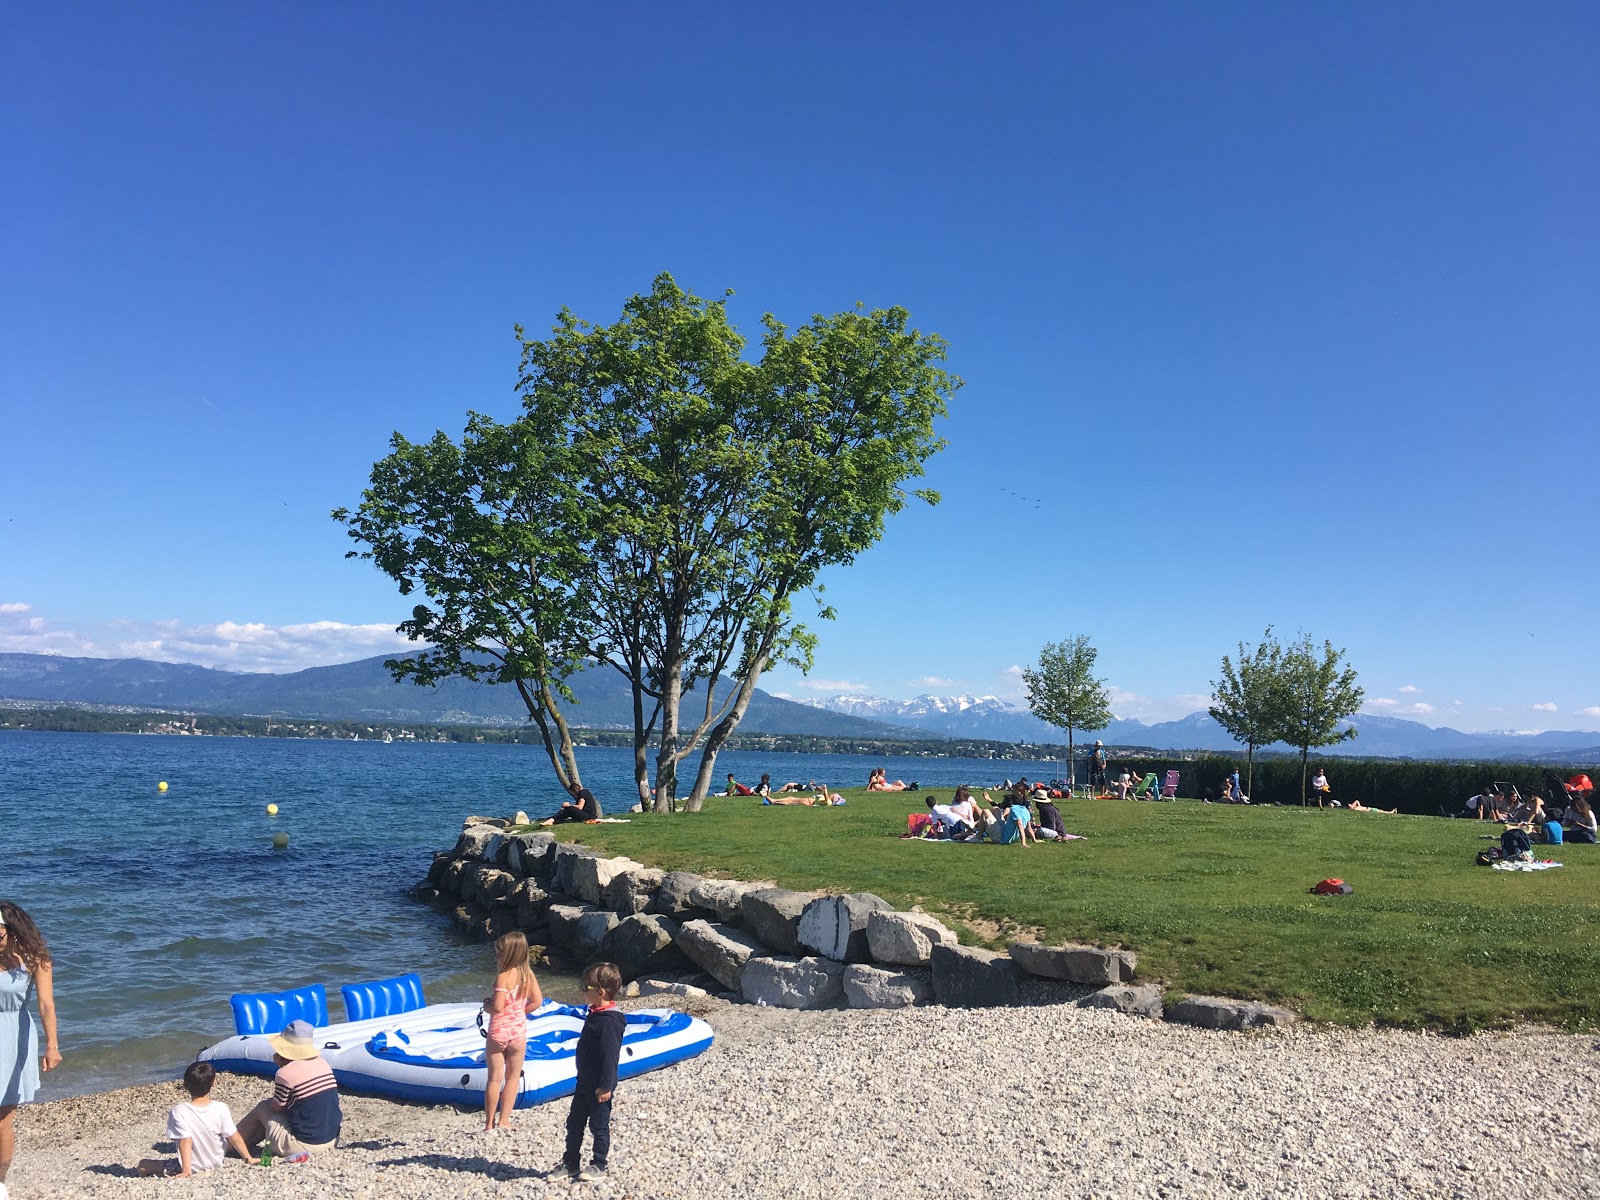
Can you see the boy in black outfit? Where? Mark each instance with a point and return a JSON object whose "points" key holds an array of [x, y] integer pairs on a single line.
{"points": [[599, 1048]]}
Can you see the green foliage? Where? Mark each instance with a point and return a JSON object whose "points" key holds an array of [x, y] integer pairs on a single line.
{"points": [[657, 507], [1214, 899], [1317, 693], [1063, 690], [1249, 699]]}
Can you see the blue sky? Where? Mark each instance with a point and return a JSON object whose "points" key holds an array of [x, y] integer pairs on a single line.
{"points": [[1280, 314]]}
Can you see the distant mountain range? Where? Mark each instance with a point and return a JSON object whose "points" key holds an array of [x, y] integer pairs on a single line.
{"points": [[363, 690], [1380, 737]]}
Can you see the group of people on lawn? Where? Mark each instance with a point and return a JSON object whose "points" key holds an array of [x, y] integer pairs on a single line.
{"points": [[1022, 813], [1573, 821]]}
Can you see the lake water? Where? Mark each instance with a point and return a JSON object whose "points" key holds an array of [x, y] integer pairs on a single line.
{"points": [[158, 906]]}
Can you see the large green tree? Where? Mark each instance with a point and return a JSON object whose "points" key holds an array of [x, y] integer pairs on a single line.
{"points": [[1317, 691], [679, 498], [1063, 691], [1248, 699]]}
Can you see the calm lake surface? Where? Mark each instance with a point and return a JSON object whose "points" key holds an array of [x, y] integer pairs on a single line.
{"points": [[158, 906]]}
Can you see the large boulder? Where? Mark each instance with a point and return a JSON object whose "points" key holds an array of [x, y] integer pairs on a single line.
{"points": [[874, 987], [1142, 1001], [475, 839], [722, 897], [836, 926], [590, 932], [563, 920], [632, 891], [674, 896], [436, 868], [906, 939], [533, 903], [592, 874], [719, 951], [564, 860], [793, 982], [1220, 1012], [1075, 964], [644, 945], [966, 977], [772, 915], [450, 880], [487, 885], [529, 853]]}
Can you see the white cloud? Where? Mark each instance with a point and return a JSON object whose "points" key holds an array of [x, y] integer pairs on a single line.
{"points": [[1014, 671], [1408, 688], [1420, 708], [835, 685], [13, 608], [1455, 704], [1544, 708], [233, 645], [1592, 711], [1382, 702], [932, 681]]}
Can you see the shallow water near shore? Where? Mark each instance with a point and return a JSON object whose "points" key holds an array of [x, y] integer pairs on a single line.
{"points": [[158, 906]]}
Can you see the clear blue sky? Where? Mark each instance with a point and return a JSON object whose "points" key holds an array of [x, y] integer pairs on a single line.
{"points": [[1281, 313]]}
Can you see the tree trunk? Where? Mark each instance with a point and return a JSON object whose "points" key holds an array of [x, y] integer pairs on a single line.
{"points": [[671, 696], [542, 708], [1072, 763], [719, 736], [1304, 752], [1250, 768]]}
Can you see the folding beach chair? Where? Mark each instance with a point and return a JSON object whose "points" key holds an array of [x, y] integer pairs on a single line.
{"points": [[1169, 789], [1145, 786]]}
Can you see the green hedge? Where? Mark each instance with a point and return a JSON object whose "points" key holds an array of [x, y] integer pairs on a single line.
{"points": [[1411, 786]]}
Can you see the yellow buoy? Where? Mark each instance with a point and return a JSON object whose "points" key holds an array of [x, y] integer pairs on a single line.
{"points": [[280, 839], [272, 810], [162, 786]]}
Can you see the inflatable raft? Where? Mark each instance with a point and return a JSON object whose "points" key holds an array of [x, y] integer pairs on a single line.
{"points": [[396, 1044]]}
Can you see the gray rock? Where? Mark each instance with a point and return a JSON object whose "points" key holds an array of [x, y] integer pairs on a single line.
{"points": [[564, 859], [722, 897], [450, 881], [965, 977], [673, 896], [906, 939], [487, 885], [1142, 1001], [836, 926], [528, 853], [591, 875], [474, 839], [772, 915], [660, 987], [590, 930], [719, 951], [563, 920], [874, 987], [632, 891], [1075, 964], [1220, 1012], [793, 982], [436, 868], [426, 893], [644, 945]]}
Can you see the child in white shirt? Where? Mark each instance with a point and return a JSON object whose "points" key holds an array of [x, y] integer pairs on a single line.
{"points": [[202, 1128]]}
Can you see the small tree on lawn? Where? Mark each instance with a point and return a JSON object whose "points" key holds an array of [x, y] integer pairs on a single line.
{"points": [[1317, 691], [1248, 699], [1063, 691]]}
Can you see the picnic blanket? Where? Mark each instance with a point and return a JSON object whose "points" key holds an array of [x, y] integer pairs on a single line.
{"points": [[1508, 865]]}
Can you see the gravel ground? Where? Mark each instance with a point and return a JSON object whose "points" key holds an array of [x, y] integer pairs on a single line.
{"points": [[1046, 1101]]}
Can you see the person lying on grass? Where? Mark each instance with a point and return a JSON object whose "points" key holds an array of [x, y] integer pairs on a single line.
{"points": [[1357, 806], [948, 823]]}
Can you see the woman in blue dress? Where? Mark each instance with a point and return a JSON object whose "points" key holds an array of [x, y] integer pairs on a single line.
{"points": [[24, 968]]}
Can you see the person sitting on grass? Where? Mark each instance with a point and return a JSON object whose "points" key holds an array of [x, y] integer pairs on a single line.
{"points": [[878, 782], [1015, 820], [1049, 825], [1235, 793], [202, 1127], [736, 788], [948, 823], [764, 788], [1579, 824], [582, 807], [1357, 806], [1477, 807]]}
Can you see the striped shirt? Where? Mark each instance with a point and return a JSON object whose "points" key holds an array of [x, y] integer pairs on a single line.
{"points": [[306, 1090]]}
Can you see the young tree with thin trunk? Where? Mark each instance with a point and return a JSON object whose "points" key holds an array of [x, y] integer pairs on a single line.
{"points": [[1248, 699], [1317, 691], [1063, 691]]}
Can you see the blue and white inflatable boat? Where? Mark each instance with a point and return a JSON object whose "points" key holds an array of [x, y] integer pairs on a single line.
{"points": [[396, 1044]]}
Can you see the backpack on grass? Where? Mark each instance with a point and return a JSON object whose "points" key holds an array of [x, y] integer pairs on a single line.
{"points": [[1331, 887]]}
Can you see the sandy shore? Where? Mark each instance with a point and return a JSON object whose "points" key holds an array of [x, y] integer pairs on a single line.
{"points": [[1050, 1101]]}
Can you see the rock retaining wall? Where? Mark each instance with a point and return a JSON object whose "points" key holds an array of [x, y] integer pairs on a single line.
{"points": [[764, 944]]}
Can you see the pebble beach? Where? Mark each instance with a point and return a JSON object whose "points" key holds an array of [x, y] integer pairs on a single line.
{"points": [[1046, 1100]]}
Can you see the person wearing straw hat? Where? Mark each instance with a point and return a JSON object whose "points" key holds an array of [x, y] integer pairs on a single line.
{"points": [[302, 1116]]}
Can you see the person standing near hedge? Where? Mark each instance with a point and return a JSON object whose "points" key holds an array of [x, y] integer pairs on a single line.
{"points": [[1319, 786]]}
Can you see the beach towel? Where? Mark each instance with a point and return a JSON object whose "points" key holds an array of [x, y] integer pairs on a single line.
{"points": [[1504, 865]]}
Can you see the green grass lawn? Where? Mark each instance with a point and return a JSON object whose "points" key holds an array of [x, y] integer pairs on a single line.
{"points": [[1213, 898]]}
